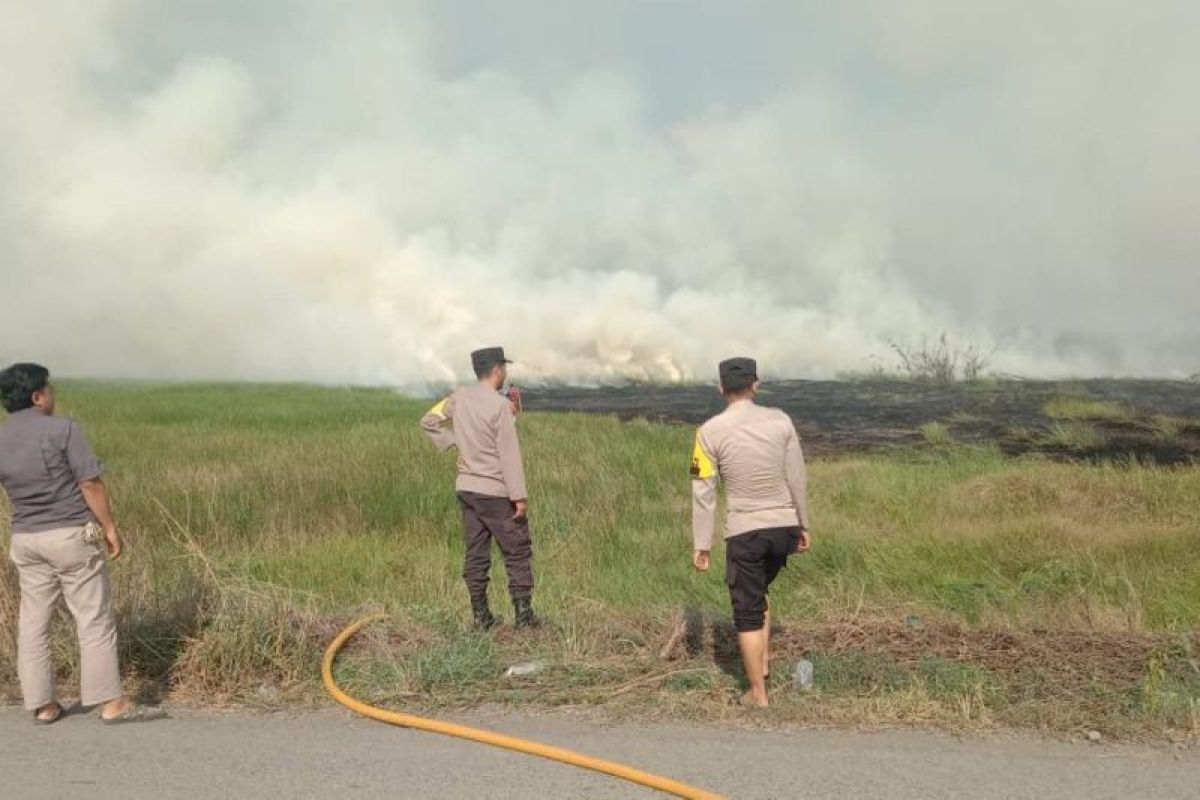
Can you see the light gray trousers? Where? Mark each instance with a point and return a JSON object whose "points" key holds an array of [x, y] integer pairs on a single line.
{"points": [[60, 564]]}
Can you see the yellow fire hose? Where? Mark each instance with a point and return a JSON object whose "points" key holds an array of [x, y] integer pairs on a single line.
{"points": [[488, 737]]}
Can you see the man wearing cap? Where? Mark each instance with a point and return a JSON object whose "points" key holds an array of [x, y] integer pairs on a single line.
{"points": [[480, 423], [755, 451]]}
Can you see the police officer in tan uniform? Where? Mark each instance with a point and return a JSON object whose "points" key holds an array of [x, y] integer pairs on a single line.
{"points": [[480, 422], [755, 451]]}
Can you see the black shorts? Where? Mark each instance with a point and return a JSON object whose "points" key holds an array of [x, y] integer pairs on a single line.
{"points": [[752, 560]]}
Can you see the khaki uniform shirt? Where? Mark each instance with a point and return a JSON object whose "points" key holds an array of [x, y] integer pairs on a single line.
{"points": [[479, 421], [755, 451]]}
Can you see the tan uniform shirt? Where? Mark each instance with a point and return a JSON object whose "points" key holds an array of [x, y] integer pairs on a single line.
{"points": [[755, 452], [479, 421]]}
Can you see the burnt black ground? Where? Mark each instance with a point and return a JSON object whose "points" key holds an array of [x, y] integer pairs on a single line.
{"points": [[856, 416]]}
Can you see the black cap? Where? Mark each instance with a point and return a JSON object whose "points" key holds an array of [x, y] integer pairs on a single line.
{"points": [[487, 358], [742, 367]]}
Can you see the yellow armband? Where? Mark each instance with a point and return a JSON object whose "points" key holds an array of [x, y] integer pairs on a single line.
{"points": [[702, 465]]}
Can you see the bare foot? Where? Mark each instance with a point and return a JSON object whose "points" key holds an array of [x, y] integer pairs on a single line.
{"points": [[750, 700], [115, 708], [49, 713]]}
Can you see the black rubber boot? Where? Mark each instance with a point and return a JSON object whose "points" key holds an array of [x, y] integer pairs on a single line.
{"points": [[483, 615], [525, 618]]}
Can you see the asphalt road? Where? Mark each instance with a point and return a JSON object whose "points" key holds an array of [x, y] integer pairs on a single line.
{"points": [[331, 754]]}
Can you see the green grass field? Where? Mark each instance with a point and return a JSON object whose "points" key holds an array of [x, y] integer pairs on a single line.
{"points": [[947, 584]]}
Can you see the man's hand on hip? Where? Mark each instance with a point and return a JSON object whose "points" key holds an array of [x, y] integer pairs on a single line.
{"points": [[700, 560]]}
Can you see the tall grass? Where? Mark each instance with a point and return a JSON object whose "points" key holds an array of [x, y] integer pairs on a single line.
{"points": [[260, 517], [1084, 408], [1072, 436]]}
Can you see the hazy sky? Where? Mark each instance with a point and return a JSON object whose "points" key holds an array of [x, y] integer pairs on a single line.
{"points": [[366, 191]]}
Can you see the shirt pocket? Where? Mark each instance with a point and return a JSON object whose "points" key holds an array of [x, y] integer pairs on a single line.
{"points": [[54, 460]]}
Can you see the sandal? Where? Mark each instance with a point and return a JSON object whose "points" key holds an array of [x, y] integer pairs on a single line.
{"points": [[58, 714], [137, 713]]}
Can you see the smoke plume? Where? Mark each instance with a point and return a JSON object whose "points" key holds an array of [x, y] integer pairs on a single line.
{"points": [[365, 192]]}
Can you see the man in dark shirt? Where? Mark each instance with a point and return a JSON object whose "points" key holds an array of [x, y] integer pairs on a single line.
{"points": [[58, 498]]}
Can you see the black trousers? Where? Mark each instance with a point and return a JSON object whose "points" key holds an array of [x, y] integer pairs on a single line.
{"points": [[486, 518], [752, 562]]}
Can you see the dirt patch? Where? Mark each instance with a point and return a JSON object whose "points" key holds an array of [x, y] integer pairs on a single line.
{"points": [[1131, 685], [1070, 658], [875, 671]]}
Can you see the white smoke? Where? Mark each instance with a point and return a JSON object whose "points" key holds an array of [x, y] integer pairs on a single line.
{"points": [[313, 192]]}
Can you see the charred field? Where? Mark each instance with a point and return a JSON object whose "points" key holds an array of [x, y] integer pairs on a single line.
{"points": [[1154, 421]]}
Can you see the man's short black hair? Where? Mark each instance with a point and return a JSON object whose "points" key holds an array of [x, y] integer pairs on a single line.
{"points": [[485, 359], [737, 384], [19, 383], [483, 370], [737, 374]]}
